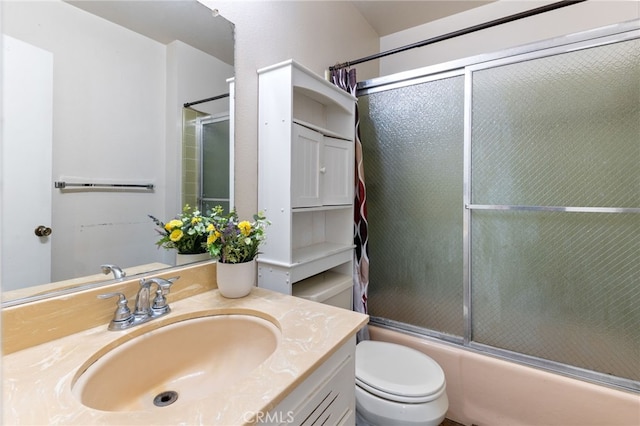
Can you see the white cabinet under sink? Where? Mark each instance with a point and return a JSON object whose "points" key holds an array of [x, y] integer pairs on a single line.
{"points": [[326, 397], [305, 176]]}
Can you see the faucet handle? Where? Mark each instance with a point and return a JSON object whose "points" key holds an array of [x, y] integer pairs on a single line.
{"points": [[163, 284], [160, 305], [122, 317]]}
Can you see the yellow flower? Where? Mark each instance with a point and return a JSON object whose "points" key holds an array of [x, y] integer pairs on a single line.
{"points": [[195, 220], [245, 227], [175, 223], [176, 235], [213, 237], [210, 227]]}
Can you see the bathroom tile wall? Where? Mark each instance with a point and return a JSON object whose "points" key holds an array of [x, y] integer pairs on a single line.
{"points": [[189, 157]]}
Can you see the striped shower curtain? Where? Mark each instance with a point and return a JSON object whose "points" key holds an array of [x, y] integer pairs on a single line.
{"points": [[346, 80]]}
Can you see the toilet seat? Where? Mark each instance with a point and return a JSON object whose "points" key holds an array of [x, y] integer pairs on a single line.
{"points": [[398, 373]]}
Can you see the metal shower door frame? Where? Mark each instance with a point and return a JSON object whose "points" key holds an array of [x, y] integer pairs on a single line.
{"points": [[467, 66], [200, 122]]}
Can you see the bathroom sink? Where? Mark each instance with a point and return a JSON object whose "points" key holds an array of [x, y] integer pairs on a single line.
{"points": [[182, 361]]}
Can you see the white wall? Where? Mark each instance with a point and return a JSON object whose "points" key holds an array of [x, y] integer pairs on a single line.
{"points": [[566, 20], [317, 34]]}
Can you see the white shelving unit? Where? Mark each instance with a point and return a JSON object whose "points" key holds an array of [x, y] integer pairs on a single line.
{"points": [[305, 177]]}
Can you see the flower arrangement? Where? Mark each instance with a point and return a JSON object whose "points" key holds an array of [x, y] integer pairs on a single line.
{"points": [[187, 233], [231, 240]]}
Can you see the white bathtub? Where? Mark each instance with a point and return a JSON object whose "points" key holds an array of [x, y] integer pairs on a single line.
{"points": [[484, 390]]}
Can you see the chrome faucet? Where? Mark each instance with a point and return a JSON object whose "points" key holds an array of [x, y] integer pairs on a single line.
{"points": [[118, 273], [145, 310], [143, 306]]}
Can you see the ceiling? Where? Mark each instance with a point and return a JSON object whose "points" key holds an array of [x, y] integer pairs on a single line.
{"points": [[391, 16], [164, 21]]}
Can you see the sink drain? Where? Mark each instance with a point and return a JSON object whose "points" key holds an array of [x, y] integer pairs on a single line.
{"points": [[165, 398]]}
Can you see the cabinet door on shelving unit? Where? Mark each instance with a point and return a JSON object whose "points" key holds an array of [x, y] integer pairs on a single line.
{"points": [[306, 157], [338, 168]]}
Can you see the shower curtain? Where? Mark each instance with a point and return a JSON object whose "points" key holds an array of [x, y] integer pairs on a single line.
{"points": [[346, 80]]}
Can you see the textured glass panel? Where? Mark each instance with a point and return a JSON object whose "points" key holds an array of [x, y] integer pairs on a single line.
{"points": [[215, 159], [557, 131], [189, 157], [562, 130], [413, 146], [559, 286]]}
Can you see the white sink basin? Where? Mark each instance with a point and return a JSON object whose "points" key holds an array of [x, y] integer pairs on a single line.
{"points": [[182, 361]]}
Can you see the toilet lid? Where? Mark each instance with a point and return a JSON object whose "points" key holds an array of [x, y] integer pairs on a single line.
{"points": [[398, 373]]}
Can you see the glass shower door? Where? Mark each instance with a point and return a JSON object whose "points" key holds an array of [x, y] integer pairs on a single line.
{"points": [[555, 197], [413, 151], [504, 206], [214, 147]]}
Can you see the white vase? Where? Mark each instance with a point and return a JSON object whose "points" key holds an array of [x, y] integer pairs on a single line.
{"points": [[236, 279], [183, 259]]}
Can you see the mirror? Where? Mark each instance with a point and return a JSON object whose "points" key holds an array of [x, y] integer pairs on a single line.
{"points": [[206, 159], [99, 101]]}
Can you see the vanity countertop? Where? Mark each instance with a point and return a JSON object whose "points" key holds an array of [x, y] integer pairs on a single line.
{"points": [[37, 381]]}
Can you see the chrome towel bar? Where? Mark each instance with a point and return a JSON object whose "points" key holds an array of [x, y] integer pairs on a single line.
{"points": [[64, 185]]}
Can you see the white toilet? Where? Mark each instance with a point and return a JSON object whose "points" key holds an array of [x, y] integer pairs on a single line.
{"points": [[397, 385]]}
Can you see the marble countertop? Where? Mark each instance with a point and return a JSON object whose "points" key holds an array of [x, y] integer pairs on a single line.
{"points": [[37, 381]]}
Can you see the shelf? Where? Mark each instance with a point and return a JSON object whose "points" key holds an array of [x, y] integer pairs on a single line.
{"points": [[309, 123], [318, 251], [322, 130], [280, 276], [321, 208], [328, 287]]}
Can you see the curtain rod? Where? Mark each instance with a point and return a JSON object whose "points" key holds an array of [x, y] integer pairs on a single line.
{"points": [[201, 101], [495, 22]]}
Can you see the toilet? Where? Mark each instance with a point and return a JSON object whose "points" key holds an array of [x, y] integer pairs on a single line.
{"points": [[397, 385]]}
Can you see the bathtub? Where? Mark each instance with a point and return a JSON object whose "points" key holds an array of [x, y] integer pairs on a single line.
{"points": [[487, 391]]}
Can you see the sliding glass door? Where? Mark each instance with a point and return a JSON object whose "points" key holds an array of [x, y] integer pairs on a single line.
{"points": [[504, 205]]}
